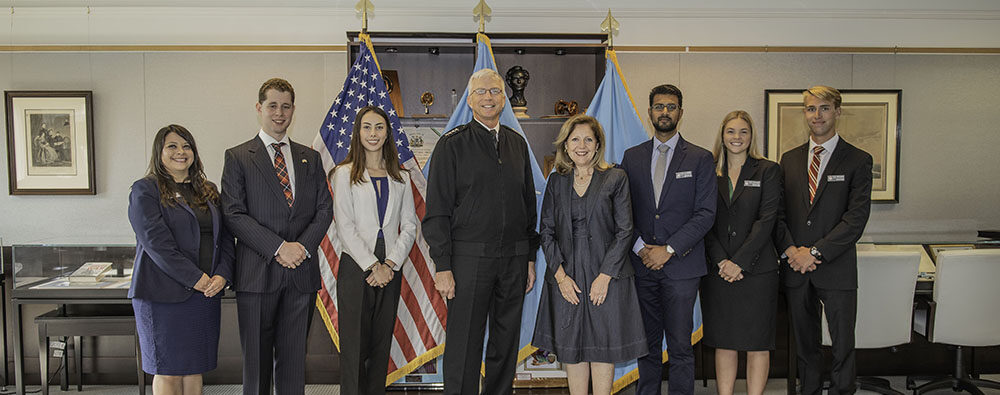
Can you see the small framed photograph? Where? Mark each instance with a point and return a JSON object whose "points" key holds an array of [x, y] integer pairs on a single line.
{"points": [[870, 120], [50, 142]]}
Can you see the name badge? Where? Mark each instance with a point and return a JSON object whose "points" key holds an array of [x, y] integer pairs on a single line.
{"points": [[835, 178], [684, 174], [751, 183]]}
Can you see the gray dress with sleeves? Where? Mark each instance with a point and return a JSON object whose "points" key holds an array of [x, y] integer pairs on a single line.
{"points": [[589, 235]]}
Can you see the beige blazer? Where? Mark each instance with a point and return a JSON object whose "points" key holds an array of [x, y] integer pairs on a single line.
{"points": [[355, 213]]}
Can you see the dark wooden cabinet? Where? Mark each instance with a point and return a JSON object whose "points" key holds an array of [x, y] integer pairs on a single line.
{"points": [[565, 67]]}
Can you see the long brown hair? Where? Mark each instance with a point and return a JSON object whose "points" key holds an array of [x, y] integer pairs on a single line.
{"points": [[356, 153], [205, 191]]}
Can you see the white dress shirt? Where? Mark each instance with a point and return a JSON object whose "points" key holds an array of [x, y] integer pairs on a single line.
{"points": [[824, 158], [286, 151], [672, 143]]}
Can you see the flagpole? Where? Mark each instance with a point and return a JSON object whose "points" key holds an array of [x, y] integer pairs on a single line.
{"points": [[364, 7], [482, 11]]}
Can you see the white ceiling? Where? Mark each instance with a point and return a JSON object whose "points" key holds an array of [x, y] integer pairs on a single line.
{"points": [[567, 5], [861, 23]]}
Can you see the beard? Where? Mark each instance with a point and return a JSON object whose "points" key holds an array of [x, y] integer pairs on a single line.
{"points": [[670, 128]]}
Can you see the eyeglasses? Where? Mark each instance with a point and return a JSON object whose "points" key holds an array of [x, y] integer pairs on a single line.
{"points": [[669, 107], [492, 91]]}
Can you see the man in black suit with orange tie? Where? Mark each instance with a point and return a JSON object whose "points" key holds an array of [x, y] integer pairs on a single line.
{"points": [[827, 201], [278, 205]]}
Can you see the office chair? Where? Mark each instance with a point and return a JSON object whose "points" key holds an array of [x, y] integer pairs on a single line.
{"points": [[886, 283], [966, 312]]}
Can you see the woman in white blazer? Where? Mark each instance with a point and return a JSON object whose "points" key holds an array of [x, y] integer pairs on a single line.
{"points": [[376, 225]]}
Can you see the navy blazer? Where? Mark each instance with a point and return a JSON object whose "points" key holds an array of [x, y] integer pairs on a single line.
{"points": [[167, 243], [257, 213], [686, 211], [745, 223]]}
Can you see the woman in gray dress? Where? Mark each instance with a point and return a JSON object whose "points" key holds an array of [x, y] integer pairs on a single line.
{"points": [[586, 225]]}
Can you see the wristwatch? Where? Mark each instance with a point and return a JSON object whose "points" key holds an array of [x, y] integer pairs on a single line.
{"points": [[815, 253], [670, 250]]}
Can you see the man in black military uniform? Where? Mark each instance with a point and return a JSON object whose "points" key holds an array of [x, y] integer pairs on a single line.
{"points": [[480, 226]]}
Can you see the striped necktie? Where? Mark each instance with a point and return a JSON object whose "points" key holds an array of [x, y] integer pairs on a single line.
{"points": [[814, 172], [282, 171]]}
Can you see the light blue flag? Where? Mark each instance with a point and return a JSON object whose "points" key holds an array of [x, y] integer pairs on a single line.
{"points": [[614, 108], [463, 115]]}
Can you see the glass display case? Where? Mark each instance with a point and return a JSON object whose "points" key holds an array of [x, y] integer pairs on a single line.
{"points": [[71, 266]]}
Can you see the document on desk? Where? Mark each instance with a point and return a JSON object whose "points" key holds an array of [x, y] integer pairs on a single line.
{"points": [[64, 283]]}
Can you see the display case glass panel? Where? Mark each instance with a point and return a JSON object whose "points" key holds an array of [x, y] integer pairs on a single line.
{"points": [[72, 266]]}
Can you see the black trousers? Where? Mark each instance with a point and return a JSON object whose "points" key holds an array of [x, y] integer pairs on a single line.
{"points": [[366, 317], [274, 327], [490, 288], [841, 312]]}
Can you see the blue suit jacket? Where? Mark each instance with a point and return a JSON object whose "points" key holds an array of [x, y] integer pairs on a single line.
{"points": [[167, 244], [686, 211]]}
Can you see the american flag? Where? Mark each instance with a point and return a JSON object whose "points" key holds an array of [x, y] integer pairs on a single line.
{"points": [[418, 336]]}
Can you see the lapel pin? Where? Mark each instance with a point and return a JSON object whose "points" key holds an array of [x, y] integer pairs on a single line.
{"points": [[305, 161]]}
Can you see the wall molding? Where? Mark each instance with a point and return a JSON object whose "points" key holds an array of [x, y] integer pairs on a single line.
{"points": [[620, 48]]}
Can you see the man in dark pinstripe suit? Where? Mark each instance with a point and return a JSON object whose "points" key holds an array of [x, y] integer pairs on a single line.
{"points": [[277, 204]]}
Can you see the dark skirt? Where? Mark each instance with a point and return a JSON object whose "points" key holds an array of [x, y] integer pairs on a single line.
{"points": [[178, 339], [740, 315]]}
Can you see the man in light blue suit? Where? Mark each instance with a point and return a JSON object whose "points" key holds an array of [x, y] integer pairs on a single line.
{"points": [[673, 206]]}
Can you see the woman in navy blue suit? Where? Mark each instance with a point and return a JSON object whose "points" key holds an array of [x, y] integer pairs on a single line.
{"points": [[183, 259], [376, 225], [739, 295]]}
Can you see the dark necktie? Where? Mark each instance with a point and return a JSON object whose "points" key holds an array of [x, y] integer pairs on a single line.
{"points": [[282, 171]]}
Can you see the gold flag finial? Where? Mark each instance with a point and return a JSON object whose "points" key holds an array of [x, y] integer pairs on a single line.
{"points": [[364, 7], [611, 26], [482, 11]]}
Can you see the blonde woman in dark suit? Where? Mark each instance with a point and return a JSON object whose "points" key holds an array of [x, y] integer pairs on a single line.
{"points": [[589, 313], [376, 225], [740, 292]]}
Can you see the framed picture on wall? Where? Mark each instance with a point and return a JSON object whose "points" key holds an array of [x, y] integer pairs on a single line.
{"points": [[50, 142], [870, 120]]}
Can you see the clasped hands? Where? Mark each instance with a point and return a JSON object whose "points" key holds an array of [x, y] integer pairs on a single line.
{"points": [[382, 274], [569, 289], [801, 260], [291, 254], [654, 256], [730, 271], [210, 286]]}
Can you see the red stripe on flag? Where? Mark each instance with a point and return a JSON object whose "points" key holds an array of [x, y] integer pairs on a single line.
{"points": [[420, 266], [403, 340], [331, 258], [417, 316]]}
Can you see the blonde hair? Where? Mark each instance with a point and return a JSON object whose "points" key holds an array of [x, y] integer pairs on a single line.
{"points": [[563, 163], [824, 93], [720, 152]]}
